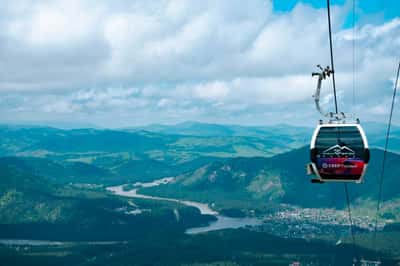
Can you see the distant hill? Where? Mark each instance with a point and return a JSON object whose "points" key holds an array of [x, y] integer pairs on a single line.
{"points": [[192, 128], [17, 139], [148, 153], [376, 132], [119, 172], [83, 140], [61, 173], [138, 154], [51, 140]]}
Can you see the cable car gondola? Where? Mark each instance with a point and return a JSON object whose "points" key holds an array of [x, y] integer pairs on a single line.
{"points": [[339, 152]]}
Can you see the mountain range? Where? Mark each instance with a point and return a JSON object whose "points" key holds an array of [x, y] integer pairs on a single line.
{"points": [[376, 132], [251, 164], [52, 187]]}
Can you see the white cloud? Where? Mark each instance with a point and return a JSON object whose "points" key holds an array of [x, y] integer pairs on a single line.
{"points": [[164, 102], [213, 90], [192, 59], [378, 110]]}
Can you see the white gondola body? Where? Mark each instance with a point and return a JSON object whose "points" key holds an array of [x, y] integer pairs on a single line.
{"points": [[340, 154]]}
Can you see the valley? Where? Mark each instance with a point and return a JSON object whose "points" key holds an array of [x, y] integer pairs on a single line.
{"points": [[69, 194]]}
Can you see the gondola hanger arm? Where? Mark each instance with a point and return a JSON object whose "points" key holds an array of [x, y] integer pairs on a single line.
{"points": [[322, 75]]}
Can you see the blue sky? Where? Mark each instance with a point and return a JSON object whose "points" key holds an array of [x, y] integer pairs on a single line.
{"points": [[130, 63], [389, 8], [366, 11]]}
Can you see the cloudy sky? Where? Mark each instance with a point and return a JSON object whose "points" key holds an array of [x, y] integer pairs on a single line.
{"points": [[126, 63]]}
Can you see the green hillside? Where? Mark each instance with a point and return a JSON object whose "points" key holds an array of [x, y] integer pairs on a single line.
{"points": [[59, 172], [256, 182], [32, 206]]}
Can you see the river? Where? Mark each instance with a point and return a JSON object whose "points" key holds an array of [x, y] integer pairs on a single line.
{"points": [[222, 222]]}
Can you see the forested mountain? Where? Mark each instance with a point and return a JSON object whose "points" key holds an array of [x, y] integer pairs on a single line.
{"points": [[278, 179]]}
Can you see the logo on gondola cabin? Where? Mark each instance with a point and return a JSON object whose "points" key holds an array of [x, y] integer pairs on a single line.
{"points": [[338, 151]]}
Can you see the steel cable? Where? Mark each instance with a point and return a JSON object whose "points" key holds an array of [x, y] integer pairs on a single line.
{"points": [[337, 111], [378, 205]]}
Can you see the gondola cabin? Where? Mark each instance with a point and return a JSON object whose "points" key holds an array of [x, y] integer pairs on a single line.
{"points": [[339, 153]]}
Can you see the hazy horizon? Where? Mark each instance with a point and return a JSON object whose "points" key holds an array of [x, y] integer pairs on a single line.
{"points": [[68, 126]]}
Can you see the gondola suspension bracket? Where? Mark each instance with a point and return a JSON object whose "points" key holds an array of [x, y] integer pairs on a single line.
{"points": [[322, 75]]}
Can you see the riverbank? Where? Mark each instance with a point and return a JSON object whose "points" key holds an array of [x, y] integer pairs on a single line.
{"points": [[202, 207], [221, 222]]}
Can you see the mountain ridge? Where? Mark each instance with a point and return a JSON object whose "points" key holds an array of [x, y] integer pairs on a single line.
{"points": [[281, 178]]}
